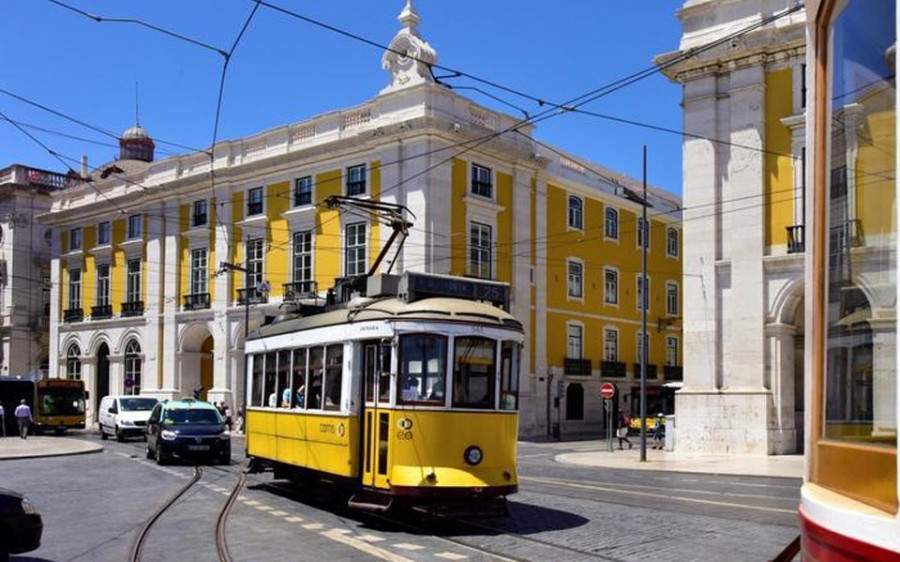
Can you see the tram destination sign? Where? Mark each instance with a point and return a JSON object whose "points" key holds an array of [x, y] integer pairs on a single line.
{"points": [[418, 286]]}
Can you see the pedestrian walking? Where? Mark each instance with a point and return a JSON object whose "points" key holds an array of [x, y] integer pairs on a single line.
{"points": [[3, 419], [622, 430], [23, 417], [228, 416], [658, 429], [240, 419]]}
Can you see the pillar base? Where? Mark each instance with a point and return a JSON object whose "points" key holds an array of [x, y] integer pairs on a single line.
{"points": [[724, 422]]}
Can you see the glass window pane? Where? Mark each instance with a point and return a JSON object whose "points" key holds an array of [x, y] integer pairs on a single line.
{"points": [[334, 376], [509, 375], [259, 395], [474, 372], [316, 373], [423, 360], [284, 371], [298, 379]]}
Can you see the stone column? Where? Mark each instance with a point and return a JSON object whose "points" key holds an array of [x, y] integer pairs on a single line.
{"points": [[781, 380], [884, 375], [221, 300], [116, 374], [55, 353], [521, 303], [169, 350], [541, 368], [89, 376], [153, 303]]}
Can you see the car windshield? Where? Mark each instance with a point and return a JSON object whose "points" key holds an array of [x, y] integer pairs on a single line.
{"points": [[195, 416], [137, 404]]}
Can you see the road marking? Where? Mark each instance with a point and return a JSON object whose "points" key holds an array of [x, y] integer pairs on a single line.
{"points": [[536, 455], [313, 526], [363, 546], [293, 519], [687, 490], [278, 513], [265, 507], [370, 538], [451, 556], [250, 502], [407, 546], [663, 496]]}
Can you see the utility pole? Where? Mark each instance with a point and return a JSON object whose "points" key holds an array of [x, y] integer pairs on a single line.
{"points": [[645, 234], [227, 267]]}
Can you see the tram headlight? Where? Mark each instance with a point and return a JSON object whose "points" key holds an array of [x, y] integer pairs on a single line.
{"points": [[473, 455]]}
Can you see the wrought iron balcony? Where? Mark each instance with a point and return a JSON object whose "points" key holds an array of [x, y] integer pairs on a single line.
{"points": [[300, 289], [673, 373], [252, 296], [196, 301], [101, 312], [133, 308], [577, 367], [651, 370], [796, 241], [613, 369], [73, 315]]}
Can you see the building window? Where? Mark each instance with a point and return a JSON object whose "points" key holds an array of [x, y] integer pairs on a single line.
{"points": [[199, 271], [641, 343], [610, 286], [611, 225], [302, 266], [74, 289], [103, 285], [254, 263], [574, 401], [574, 339], [480, 250], [200, 216], [576, 213], [355, 244], [642, 296], [303, 191], [803, 86], [610, 345], [672, 298], [576, 279], [103, 233], [133, 365], [356, 180], [73, 362], [255, 201], [672, 242], [74, 239], [481, 181], [643, 233], [133, 281], [671, 351], [135, 227]]}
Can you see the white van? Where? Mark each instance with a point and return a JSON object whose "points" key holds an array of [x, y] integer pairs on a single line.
{"points": [[125, 416]]}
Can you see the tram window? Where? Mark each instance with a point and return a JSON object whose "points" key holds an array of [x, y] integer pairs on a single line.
{"points": [[509, 375], [334, 374], [258, 390], [269, 384], [298, 379], [316, 371], [474, 372], [384, 374], [284, 372], [422, 368]]}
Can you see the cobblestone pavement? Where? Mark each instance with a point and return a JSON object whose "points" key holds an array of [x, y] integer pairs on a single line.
{"points": [[93, 506]]}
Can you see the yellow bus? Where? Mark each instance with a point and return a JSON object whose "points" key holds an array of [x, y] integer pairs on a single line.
{"points": [[56, 404]]}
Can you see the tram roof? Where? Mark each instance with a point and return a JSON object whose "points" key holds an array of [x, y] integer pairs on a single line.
{"points": [[433, 309]]}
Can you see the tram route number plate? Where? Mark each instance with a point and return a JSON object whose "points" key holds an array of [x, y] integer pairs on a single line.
{"points": [[198, 447]]}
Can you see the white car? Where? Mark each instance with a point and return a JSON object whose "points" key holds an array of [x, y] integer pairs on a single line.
{"points": [[125, 416]]}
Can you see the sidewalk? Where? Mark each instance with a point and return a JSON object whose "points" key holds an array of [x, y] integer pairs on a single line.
{"points": [[13, 447], [782, 466]]}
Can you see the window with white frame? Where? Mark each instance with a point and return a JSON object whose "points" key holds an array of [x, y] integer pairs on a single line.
{"points": [[576, 279], [302, 258], [73, 362], [103, 284], [355, 244], [199, 271], [643, 233], [480, 250], [672, 242], [74, 239], [200, 215], [610, 286], [133, 368], [643, 340], [255, 201], [576, 212], [256, 248], [133, 281], [74, 289], [104, 233], [671, 298], [671, 351], [303, 191], [574, 341], [356, 180], [643, 292], [482, 184], [611, 224], [135, 227], [610, 345]]}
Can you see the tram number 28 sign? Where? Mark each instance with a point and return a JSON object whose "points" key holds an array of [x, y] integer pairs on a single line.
{"points": [[607, 391]]}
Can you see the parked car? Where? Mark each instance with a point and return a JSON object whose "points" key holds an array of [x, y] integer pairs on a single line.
{"points": [[20, 524], [187, 429], [125, 416]]}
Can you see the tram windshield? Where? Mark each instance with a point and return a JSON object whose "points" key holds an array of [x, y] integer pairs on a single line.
{"points": [[423, 358], [474, 372]]}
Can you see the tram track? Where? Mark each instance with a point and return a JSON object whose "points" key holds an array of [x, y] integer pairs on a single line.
{"points": [[137, 550], [221, 537]]}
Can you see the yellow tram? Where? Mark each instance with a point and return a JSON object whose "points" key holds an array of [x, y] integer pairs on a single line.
{"points": [[411, 394]]}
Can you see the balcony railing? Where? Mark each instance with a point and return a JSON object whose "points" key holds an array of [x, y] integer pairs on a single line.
{"points": [[101, 312], [196, 301], [73, 315], [252, 296], [577, 367], [300, 289], [651, 370], [673, 373], [133, 308], [796, 242], [613, 369]]}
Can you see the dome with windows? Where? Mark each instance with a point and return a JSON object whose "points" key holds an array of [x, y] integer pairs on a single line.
{"points": [[136, 144]]}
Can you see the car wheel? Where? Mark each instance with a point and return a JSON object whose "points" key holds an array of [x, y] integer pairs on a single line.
{"points": [[161, 459], [103, 435], [119, 435], [147, 448]]}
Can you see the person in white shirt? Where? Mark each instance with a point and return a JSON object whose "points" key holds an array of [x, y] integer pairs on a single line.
{"points": [[23, 416]]}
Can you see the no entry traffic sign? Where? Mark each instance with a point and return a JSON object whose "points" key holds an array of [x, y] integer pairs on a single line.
{"points": [[607, 391]]}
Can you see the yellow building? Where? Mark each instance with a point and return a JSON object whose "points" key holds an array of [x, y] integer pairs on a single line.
{"points": [[138, 307]]}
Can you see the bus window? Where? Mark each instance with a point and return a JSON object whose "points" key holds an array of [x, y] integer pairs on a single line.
{"points": [[509, 375], [316, 371], [258, 392], [298, 384], [284, 372], [422, 369], [474, 372], [269, 384], [334, 373]]}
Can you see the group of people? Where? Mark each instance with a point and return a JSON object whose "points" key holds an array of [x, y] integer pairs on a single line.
{"points": [[23, 418], [225, 412], [657, 432]]}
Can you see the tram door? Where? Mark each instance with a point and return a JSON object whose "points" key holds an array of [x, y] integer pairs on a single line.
{"points": [[376, 415]]}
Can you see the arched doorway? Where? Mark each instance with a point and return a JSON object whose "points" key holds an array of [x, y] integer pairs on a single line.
{"points": [[196, 361], [206, 366], [101, 389]]}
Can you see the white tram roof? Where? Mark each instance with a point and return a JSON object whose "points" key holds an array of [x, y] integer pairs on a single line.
{"points": [[438, 309]]}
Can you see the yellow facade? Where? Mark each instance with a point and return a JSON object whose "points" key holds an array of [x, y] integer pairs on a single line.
{"points": [[779, 179]]}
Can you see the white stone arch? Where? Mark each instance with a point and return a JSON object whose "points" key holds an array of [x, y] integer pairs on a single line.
{"points": [[784, 306], [192, 336], [875, 294], [126, 336], [194, 362], [97, 339], [236, 339], [68, 341]]}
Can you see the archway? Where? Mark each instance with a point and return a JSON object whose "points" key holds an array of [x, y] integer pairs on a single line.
{"points": [[196, 361], [206, 366], [102, 386], [799, 378]]}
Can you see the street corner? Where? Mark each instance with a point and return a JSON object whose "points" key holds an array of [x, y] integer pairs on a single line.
{"points": [[33, 447]]}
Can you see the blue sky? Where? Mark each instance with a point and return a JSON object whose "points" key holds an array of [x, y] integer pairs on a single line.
{"points": [[286, 70]]}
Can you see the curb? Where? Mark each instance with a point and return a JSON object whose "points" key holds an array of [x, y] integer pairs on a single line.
{"points": [[90, 451]]}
